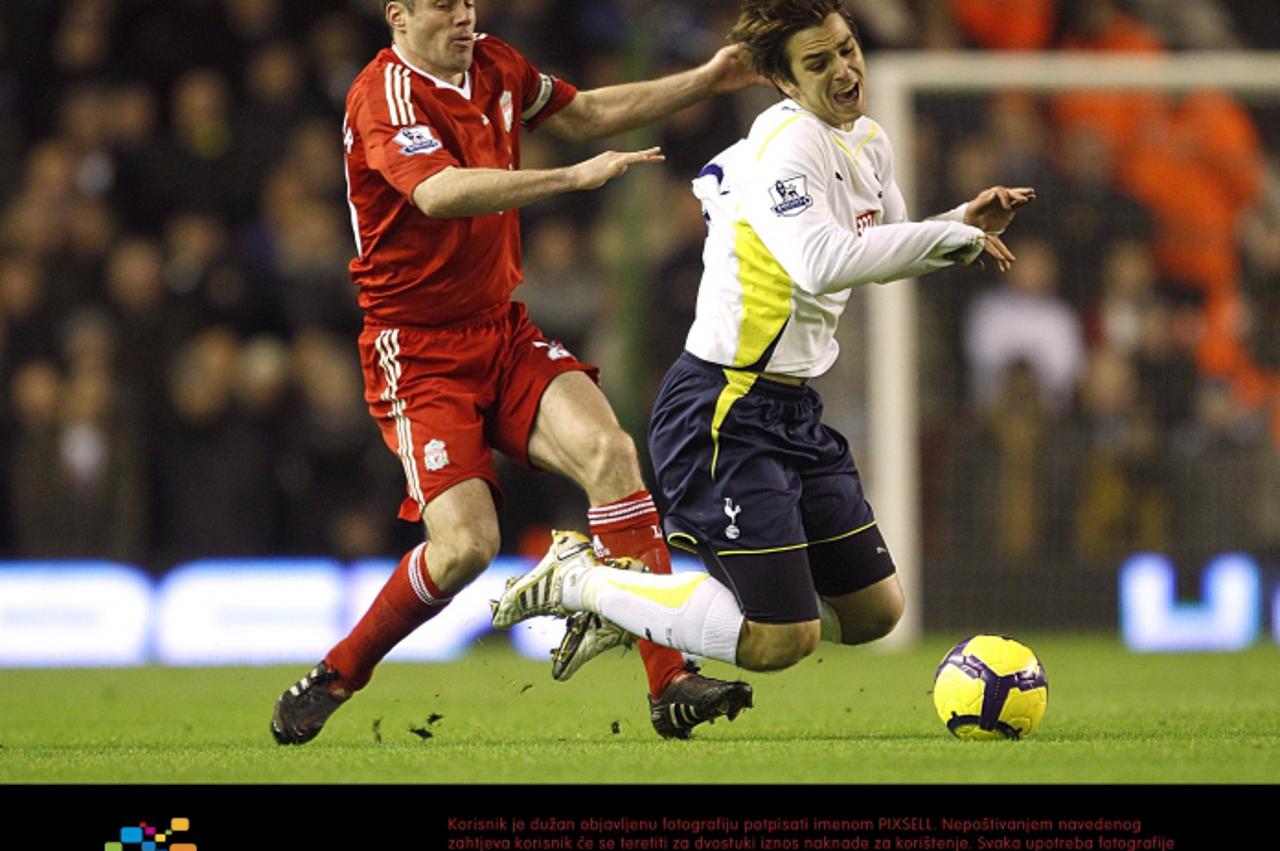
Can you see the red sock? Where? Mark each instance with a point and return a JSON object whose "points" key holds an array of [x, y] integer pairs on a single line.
{"points": [[630, 527], [408, 600]]}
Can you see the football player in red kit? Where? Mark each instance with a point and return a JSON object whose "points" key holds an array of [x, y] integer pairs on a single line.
{"points": [[453, 368]]}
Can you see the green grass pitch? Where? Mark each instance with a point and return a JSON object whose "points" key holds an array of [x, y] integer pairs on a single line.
{"points": [[845, 715]]}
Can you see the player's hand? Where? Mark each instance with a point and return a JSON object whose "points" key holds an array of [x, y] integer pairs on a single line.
{"points": [[599, 170], [993, 209], [970, 255], [997, 249], [728, 71]]}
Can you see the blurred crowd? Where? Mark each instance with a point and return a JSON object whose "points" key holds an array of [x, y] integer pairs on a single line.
{"points": [[177, 328], [1121, 387]]}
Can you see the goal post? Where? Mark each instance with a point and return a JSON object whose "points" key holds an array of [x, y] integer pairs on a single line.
{"points": [[895, 78]]}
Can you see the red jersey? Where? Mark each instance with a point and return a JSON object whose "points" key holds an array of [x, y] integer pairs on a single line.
{"points": [[402, 126]]}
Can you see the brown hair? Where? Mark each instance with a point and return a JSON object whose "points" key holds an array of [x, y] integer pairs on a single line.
{"points": [[765, 26]]}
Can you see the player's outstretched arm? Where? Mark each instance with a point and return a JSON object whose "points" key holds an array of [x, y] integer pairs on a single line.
{"points": [[598, 113], [784, 197], [464, 192]]}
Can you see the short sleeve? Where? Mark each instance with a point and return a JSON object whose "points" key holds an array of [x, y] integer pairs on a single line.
{"points": [[400, 139], [543, 94], [557, 93]]}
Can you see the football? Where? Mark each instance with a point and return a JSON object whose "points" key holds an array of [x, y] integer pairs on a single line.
{"points": [[990, 687]]}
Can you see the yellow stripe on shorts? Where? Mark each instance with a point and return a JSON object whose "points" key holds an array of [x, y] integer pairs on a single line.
{"points": [[740, 383]]}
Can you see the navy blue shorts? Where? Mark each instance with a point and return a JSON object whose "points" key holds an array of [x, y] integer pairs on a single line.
{"points": [[766, 493]]}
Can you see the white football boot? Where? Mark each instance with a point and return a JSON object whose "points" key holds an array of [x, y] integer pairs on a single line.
{"points": [[587, 634], [538, 591]]}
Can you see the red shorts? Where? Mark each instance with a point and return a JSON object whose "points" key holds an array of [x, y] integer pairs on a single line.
{"points": [[446, 396]]}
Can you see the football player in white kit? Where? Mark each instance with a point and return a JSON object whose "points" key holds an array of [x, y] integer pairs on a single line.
{"points": [[798, 214]]}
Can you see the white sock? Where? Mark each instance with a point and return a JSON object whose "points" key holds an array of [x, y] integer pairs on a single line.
{"points": [[831, 629], [687, 611]]}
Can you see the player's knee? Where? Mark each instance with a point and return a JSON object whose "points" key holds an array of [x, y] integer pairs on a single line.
{"points": [[880, 621], [455, 563], [779, 646], [608, 451], [616, 447], [874, 614]]}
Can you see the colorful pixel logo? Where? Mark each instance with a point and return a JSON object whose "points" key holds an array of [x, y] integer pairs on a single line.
{"points": [[146, 837]]}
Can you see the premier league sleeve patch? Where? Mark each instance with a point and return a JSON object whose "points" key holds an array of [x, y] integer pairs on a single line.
{"points": [[416, 140], [790, 196]]}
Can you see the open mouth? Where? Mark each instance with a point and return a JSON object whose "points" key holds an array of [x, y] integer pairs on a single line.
{"points": [[849, 97]]}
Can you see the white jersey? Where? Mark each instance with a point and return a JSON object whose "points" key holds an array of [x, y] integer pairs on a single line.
{"points": [[797, 214]]}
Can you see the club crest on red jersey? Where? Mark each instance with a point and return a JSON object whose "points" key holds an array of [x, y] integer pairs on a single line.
{"points": [[416, 140], [555, 349], [508, 113]]}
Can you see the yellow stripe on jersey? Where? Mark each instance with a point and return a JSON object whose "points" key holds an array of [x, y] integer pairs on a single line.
{"points": [[740, 383], [875, 128], [776, 131], [853, 155], [766, 295]]}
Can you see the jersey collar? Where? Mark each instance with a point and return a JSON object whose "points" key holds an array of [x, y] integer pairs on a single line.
{"points": [[464, 89], [793, 105]]}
